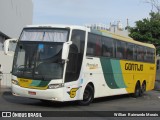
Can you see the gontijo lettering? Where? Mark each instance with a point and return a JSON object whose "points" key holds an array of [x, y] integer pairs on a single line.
{"points": [[134, 67]]}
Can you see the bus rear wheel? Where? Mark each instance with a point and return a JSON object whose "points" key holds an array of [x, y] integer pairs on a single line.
{"points": [[137, 91], [88, 96], [143, 89]]}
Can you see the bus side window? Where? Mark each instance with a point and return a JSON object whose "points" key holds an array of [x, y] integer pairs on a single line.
{"points": [[94, 45], [152, 55], [148, 55], [98, 45], [120, 50], [140, 53], [90, 45], [130, 51], [90, 51], [108, 46], [118, 47], [145, 54]]}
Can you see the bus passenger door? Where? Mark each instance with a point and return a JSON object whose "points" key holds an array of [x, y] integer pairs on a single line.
{"points": [[74, 64]]}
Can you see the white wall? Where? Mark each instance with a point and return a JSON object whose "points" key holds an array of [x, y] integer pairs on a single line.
{"points": [[6, 62]]}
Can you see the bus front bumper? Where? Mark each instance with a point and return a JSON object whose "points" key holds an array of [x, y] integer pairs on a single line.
{"points": [[48, 94]]}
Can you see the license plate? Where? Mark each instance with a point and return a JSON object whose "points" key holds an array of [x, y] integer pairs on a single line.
{"points": [[31, 93]]}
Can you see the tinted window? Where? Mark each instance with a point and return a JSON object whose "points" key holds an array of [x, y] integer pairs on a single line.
{"points": [[108, 47], [140, 53], [75, 56], [120, 49], [130, 51], [94, 45], [150, 55], [145, 54]]}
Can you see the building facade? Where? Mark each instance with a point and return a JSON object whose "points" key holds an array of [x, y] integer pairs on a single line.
{"points": [[14, 15]]}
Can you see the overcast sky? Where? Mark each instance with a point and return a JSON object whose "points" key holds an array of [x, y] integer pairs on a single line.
{"points": [[81, 12]]}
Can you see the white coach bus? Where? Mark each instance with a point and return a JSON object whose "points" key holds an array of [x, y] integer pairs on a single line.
{"points": [[68, 63]]}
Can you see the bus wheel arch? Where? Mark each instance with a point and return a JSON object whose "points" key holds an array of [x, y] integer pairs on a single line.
{"points": [[88, 95], [91, 84]]}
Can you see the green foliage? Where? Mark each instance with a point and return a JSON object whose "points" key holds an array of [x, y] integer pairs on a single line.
{"points": [[147, 30]]}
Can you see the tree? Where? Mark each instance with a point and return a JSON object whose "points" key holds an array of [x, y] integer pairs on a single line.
{"points": [[147, 30], [155, 4]]}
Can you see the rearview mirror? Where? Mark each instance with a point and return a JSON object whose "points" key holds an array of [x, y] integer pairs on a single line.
{"points": [[6, 45], [65, 50]]}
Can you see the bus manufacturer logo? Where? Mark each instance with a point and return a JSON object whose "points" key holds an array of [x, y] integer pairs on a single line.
{"points": [[92, 66]]}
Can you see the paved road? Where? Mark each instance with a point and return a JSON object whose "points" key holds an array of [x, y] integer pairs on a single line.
{"points": [[149, 102]]}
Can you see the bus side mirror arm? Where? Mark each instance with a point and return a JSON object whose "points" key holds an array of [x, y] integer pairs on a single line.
{"points": [[6, 45], [65, 50]]}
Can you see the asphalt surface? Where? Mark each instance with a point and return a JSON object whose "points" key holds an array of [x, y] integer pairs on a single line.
{"points": [[149, 102]]}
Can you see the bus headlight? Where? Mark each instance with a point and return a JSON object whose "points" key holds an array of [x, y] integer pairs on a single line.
{"points": [[15, 82], [54, 86]]}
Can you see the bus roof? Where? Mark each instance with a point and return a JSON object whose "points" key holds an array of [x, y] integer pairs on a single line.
{"points": [[100, 32], [119, 37], [58, 26]]}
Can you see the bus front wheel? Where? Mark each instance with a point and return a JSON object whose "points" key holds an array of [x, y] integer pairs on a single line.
{"points": [[88, 96]]}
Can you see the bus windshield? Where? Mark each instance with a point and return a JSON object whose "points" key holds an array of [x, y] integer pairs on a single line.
{"points": [[39, 59], [49, 35]]}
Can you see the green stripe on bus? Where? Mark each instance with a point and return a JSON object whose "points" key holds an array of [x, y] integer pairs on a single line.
{"points": [[108, 73], [35, 83], [39, 83], [43, 83], [112, 73], [117, 72]]}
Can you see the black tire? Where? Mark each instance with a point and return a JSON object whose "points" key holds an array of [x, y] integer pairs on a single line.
{"points": [[143, 88], [137, 91], [88, 96], [45, 101]]}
